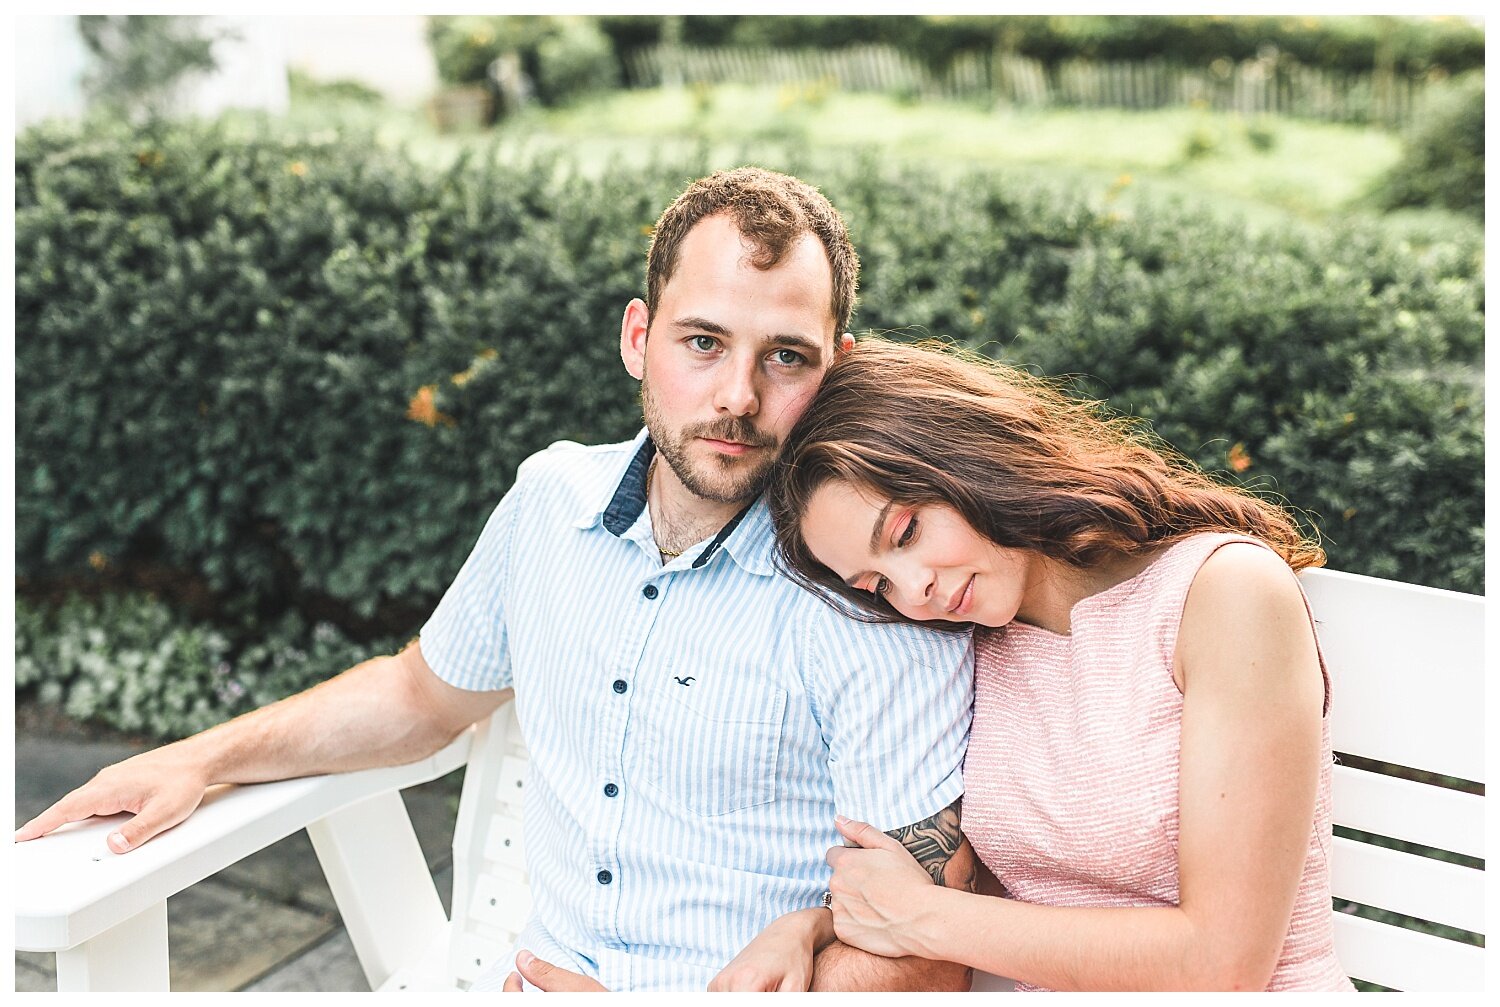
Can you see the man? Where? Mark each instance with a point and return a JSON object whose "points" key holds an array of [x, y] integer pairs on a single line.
{"points": [[695, 721]]}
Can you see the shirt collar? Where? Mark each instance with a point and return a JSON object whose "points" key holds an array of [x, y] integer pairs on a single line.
{"points": [[748, 538]]}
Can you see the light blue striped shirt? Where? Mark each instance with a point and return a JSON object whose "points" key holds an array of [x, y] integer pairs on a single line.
{"points": [[693, 727]]}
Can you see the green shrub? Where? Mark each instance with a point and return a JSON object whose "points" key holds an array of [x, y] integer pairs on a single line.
{"points": [[566, 56], [302, 373], [1260, 134], [1414, 46], [304, 369], [137, 664], [304, 88], [575, 61], [1443, 163], [1347, 366], [1201, 142], [464, 46]]}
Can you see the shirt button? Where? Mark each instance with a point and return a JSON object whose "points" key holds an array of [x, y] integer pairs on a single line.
{"points": [[650, 592], [610, 790], [620, 685], [604, 877]]}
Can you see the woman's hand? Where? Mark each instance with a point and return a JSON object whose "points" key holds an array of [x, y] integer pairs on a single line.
{"points": [[878, 889], [779, 959]]}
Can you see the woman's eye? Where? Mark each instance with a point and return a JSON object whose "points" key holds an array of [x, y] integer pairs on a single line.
{"points": [[909, 533], [704, 344], [881, 585]]}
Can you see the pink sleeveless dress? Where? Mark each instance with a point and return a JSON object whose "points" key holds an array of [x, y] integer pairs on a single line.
{"points": [[1071, 776]]}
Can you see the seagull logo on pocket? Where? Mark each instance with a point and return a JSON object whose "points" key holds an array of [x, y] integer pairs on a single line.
{"points": [[684, 681]]}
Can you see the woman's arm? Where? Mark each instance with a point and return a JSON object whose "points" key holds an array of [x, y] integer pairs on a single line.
{"points": [[1251, 737]]}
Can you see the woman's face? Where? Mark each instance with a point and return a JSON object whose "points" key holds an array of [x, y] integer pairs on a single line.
{"points": [[926, 560]]}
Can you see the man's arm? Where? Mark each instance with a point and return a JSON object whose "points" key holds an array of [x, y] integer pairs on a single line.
{"points": [[939, 846], [384, 712]]}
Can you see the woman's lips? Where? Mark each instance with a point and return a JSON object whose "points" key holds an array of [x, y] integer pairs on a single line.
{"points": [[965, 600]]}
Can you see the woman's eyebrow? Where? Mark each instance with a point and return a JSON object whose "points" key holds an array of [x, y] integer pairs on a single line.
{"points": [[875, 533]]}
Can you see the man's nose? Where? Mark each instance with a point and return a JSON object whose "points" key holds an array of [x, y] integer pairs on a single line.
{"points": [[738, 393]]}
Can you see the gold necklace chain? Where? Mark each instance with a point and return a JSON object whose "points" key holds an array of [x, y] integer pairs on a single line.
{"points": [[650, 477]]}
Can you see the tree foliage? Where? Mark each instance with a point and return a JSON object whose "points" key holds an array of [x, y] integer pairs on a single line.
{"points": [[138, 60]]}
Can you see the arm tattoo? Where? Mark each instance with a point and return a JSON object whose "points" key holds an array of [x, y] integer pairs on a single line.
{"points": [[934, 842]]}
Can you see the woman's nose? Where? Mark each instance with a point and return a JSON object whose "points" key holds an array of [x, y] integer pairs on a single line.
{"points": [[915, 585]]}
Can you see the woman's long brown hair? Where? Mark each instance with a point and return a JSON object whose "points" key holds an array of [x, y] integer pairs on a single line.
{"points": [[1024, 464]]}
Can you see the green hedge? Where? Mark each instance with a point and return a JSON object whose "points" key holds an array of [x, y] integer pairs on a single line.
{"points": [[298, 375], [1443, 163], [566, 56], [220, 344], [141, 665], [1351, 44]]}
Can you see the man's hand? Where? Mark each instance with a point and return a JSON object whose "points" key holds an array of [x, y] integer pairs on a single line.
{"points": [[780, 958], [384, 712], [159, 787], [548, 978]]}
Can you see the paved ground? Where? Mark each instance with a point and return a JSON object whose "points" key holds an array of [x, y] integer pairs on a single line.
{"points": [[268, 923]]}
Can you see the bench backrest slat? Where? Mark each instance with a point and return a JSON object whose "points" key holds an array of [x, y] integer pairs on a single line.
{"points": [[1406, 959], [1403, 809], [1406, 663], [1406, 883]]}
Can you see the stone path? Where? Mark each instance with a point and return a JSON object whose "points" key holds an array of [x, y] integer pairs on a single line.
{"points": [[267, 923]]}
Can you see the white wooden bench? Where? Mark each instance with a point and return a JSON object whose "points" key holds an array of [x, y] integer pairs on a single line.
{"points": [[1407, 666]]}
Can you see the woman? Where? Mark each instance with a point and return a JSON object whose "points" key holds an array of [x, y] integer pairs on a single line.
{"points": [[1148, 771]]}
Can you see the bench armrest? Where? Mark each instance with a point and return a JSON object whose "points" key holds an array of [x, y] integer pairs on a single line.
{"points": [[69, 887]]}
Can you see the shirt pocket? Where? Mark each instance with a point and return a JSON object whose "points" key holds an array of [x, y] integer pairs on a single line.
{"points": [[715, 744]]}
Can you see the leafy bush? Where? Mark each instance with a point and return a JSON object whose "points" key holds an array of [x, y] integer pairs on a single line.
{"points": [[1260, 134], [464, 46], [1415, 46], [137, 664], [1443, 163], [300, 374], [138, 60], [574, 61], [1345, 367], [1200, 143], [305, 88], [565, 56]]}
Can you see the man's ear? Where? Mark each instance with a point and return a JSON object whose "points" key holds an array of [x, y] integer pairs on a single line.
{"points": [[633, 337], [846, 342]]}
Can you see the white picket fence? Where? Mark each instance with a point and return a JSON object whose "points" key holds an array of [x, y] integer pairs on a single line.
{"points": [[1252, 87]]}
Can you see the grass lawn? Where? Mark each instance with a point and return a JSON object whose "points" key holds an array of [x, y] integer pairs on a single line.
{"points": [[1307, 169], [1269, 173], [1298, 170]]}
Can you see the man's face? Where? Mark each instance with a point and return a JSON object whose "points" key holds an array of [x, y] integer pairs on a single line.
{"points": [[733, 357]]}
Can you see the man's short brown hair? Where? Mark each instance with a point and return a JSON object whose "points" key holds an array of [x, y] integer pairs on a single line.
{"points": [[772, 211]]}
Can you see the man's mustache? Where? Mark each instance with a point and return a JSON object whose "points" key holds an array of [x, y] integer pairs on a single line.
{"points": [[737, 429]]}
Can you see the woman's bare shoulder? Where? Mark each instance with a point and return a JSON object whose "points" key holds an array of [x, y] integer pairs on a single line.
{"points": [[1244, 605]]}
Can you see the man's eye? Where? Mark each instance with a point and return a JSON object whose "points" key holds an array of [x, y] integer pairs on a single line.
{"points": [[789, 358], [909, 533], [881, 586], [704, 344]]}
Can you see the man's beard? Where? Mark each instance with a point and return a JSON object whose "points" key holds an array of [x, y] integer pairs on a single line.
{"points": [[726, 479]]}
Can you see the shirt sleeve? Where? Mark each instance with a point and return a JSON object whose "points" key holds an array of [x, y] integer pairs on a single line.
{"points": [[465, 641], [895, 703]]}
